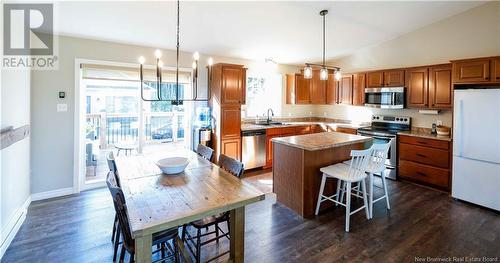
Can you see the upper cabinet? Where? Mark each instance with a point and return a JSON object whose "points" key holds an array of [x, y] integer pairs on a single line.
{"points": [[345, 90], [471, 71], [429, 87], [386, 78], [358, 89], [229, 83], [440, 86], [290, 89], [375, 79], [302, 90], [331, 90], [496, 70], [318, 89], [417, 87]]}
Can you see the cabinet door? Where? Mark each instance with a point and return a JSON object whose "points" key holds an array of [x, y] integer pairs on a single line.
{"points": [[471, 71], [230, 122], [346, 90], [375, 79], [318, 89], [496, 69], [269, 150], [440, 87], [231, 148], [358, 93], [331, 90], [290, 89], [417, 86], [233, 85], [394, 78], [302, 90]]}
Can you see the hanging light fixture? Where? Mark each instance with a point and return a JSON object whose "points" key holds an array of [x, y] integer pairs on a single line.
{"points": [[324, 69], [159, 65]]}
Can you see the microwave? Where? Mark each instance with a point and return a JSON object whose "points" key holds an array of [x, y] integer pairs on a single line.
{"points": [[385, 98]]}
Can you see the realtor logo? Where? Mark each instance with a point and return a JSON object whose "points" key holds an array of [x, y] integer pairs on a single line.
{"points": [[28, 35]]}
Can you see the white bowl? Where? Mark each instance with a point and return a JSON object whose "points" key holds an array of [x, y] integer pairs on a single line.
{"points": [[173, 165]]}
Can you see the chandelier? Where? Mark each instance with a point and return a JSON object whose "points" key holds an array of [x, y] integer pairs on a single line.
{"points": [[159, 66], [323, 72]]}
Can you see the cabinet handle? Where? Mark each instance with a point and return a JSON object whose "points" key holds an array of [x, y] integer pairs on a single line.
{"points": [[421, 174], [486, 78], [421, 155], [498, 77]]}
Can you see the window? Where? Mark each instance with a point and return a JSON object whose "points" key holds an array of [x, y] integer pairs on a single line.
{"points": [[263, 92]]}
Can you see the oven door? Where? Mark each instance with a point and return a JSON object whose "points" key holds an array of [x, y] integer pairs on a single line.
{"points": [[385, 98], [390, 163]]}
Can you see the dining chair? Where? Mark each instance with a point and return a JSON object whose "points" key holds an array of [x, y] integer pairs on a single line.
{"points": [[235, 168], [110, 158], [115, 237], [111, 161], [160, 239], [205, 152], [376, 165], [355, 172]]}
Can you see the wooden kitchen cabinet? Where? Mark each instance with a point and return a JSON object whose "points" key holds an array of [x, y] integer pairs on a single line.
{"points": [[471, 71], [290, 89], [496, 70], [345, 90], [358, 89], [231, 147], [425, 161], [346, 130], [318, 89], [440, 87], [375, 79], [302, 90], [230, 121], [394, 78], [417, 87], [332, 90], [233, 88]]}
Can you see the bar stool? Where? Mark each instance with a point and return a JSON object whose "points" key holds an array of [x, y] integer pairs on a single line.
{"points": [[376, 165], [353, 173]]}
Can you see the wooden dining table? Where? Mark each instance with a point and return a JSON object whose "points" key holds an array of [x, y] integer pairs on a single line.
{"points": [[156, 201]]}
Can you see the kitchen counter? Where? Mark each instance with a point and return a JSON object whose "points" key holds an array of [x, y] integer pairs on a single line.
{"points": [[425, 133], [320, 141], [333, 125]]}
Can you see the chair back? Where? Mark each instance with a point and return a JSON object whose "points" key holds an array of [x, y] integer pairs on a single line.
{"points": [[359, 162], [380, 153], [205, 152], [231, 165], [120, 209], [112, 166]]}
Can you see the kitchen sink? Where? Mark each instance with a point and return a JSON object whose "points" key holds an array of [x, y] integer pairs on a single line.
{"points": [[272, 123]]}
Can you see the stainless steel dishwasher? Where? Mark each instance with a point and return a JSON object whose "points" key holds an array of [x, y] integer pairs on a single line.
{"points": [[253, 148]]}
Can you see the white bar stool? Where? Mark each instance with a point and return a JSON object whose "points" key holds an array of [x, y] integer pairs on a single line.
{"points": [[353, 173], [376, 165]]}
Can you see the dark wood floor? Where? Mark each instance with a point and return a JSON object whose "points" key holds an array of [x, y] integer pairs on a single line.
{"points": [[422, 223]]}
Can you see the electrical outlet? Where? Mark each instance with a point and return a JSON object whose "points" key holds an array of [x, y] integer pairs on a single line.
{"points": [[439, 122]]}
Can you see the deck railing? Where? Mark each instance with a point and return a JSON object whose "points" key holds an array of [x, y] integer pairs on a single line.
{"points": [[110, 128]]}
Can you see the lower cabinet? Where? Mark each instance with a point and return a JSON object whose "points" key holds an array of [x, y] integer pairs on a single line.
{"points": [[231, 147], [425, 161]]}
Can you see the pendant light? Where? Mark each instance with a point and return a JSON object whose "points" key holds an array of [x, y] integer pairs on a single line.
{"points": [[324, 69], [159, 66]]}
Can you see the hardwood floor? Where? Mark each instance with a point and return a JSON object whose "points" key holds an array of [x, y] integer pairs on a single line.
{"points": [[422, 223]]}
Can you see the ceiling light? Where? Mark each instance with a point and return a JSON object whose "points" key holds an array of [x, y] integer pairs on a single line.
{"points": [[210, 61], [338, 75], [142, 60], [158, 54], [196, 56], [323, 73]]}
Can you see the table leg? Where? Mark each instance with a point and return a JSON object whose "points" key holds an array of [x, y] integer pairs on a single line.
{"points": [[237, 233], [143, 249]]}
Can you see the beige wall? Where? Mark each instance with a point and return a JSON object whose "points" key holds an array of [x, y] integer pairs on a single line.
{"points": [[15, 159], [474, 33]]}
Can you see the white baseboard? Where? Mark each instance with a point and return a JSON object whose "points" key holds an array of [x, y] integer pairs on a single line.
{"points": [[13, 226], [52, 194]]}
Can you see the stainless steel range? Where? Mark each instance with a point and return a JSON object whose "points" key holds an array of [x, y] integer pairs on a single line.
{"points": [[383, 130]]}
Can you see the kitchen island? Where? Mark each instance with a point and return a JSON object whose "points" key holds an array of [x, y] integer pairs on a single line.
{"points": [[297, 160]]}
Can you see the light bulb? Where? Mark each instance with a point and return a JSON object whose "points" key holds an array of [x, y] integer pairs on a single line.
{"points": [[142, 60], [196, 55], [194, 65], [323, 74], [338, 75], [308, 72], [210, 61], [158, 53], [160, 64]]}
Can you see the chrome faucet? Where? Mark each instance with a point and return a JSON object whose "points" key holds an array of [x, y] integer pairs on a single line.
{"points": [[272, 114]]}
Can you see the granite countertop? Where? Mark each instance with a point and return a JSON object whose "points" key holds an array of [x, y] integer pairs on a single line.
{"points": [[252, 127], [320, 141], [425, 133]]}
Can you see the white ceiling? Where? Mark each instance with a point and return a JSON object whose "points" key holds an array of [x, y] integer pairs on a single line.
{"points": [[289, 32]]}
